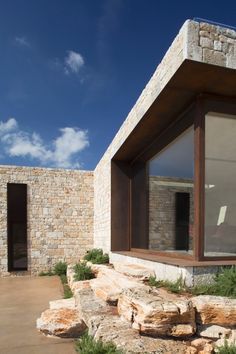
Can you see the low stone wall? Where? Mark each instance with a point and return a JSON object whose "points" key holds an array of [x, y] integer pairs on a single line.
{"points": [[60, 215]]}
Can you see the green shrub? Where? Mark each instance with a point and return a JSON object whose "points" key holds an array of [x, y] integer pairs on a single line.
{"points": [[174, 287], [83, 272], [60, 268], [224, 284], [226, 349], [87, 345], [97, 256], [203, 289]]}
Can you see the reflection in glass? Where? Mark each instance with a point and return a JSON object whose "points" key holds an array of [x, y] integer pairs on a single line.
{"points": [[220, 185], [171, 212]]}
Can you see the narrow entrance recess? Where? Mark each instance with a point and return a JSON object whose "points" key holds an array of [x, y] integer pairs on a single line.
{"points": [[17, 226], [182, 206]]}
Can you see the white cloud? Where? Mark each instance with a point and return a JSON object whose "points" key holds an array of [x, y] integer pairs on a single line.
{"points": [[70, 142], [22, 41], [8, 126], [73, 62], [62, 152]]}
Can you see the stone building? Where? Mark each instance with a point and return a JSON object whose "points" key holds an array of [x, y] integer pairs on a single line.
{"points": [[182, 127]]}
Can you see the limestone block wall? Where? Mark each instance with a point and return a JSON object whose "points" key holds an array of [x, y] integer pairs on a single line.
{"points": [[200, 42], [60, 214]]}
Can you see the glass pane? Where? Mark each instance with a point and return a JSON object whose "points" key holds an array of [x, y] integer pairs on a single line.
{"points": [[171, 210], [220, 185]]}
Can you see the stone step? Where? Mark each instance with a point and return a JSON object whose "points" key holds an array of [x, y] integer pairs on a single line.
{"points": [[134, 270], [157, 315], [110, 284]]}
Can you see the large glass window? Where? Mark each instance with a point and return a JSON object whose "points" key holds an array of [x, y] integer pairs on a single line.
{"points": [[171, 204], [220, 185]]}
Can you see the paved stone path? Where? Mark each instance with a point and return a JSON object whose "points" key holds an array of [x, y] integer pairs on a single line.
{"points": [[22, 299]]}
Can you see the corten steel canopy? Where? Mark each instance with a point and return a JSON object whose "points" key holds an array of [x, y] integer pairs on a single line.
{"points": [[191, 79], [193, 90]]}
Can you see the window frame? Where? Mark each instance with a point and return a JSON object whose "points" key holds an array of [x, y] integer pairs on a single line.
{"points": [[122, 179]]}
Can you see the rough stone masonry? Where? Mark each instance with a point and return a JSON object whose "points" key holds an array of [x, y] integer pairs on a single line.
{"points": [[59, 215]]}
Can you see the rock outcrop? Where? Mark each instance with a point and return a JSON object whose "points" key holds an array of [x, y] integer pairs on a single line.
{"points": [[215, 310], [154, 315], [62, 322], [118, 306]]}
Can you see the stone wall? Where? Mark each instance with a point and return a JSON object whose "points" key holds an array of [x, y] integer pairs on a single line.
{"points": [[60, 214], [195, 41]]}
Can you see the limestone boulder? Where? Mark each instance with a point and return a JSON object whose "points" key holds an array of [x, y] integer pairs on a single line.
{"points": [[203, 345], [208, 349], [134, 270], [215, 310], [62, 322], [92, 309], [130, 341], [154, 315], [62, 303], [110, 284], [214, 331]]}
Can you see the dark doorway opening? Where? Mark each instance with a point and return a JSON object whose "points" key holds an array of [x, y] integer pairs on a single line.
{"points": [[17, 226], [182, 211]]}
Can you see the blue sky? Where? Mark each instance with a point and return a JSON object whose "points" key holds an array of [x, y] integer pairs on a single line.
{"points": [[71, 70]]}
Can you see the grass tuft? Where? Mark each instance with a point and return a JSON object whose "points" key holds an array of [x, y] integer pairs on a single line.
{"points": [[97, 256], [226, 349], [44, 274], [87, 345], [174, 287], [83, 272], [60, 268], [224, 285]]}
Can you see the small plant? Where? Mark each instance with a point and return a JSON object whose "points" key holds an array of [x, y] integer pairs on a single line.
{"points": [[203, 289], [67, 291], [224, 284], [87, 345], [44, 274], [226, 348], [83, 272], [97, 256], [60, 268], [174, 287]]}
